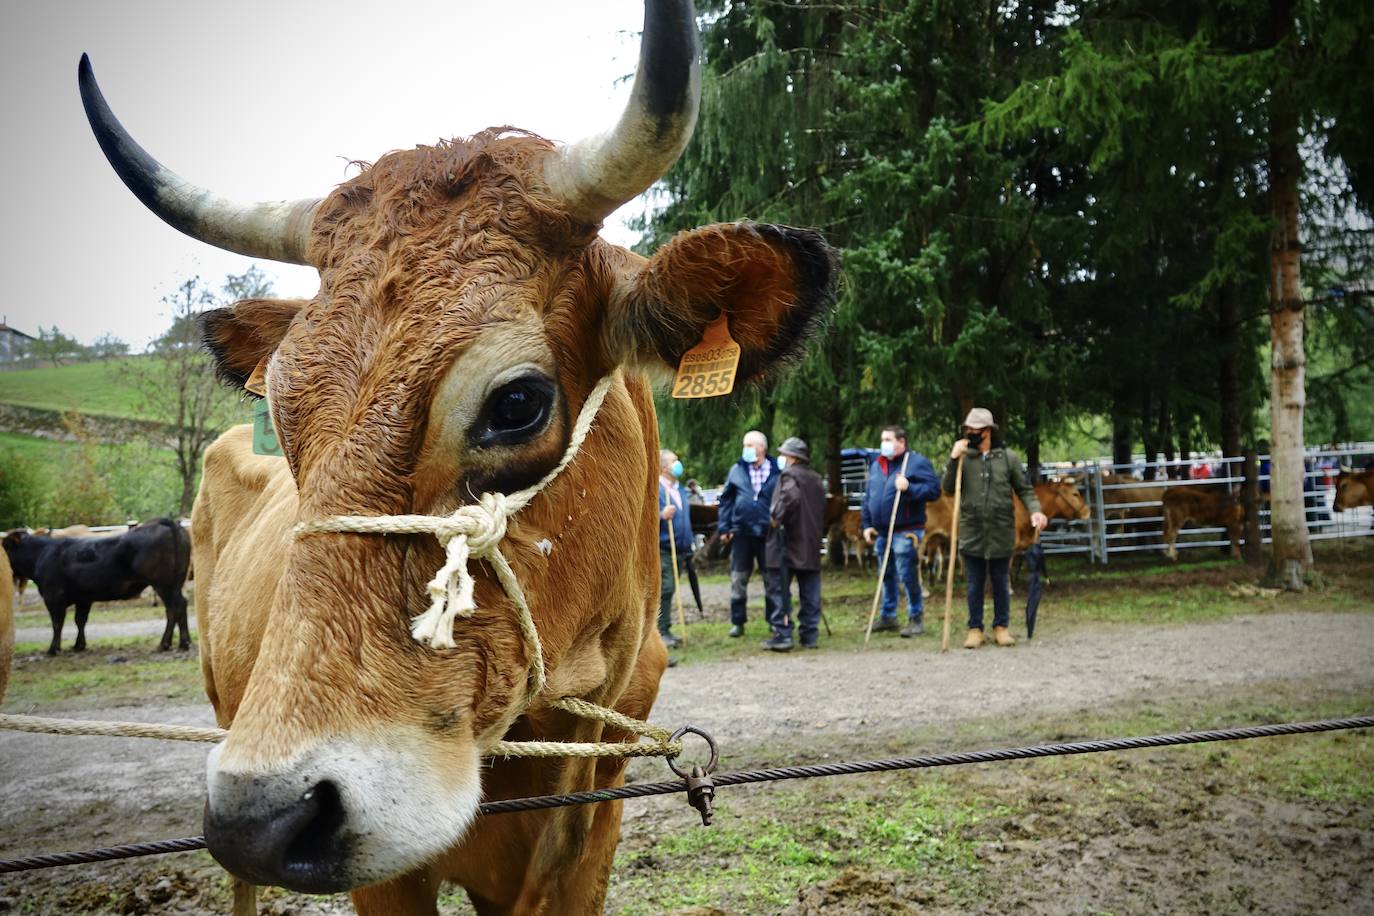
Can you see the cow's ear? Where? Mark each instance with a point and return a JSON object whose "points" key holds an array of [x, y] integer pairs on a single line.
{"points": [[774, 284], [246, 334]]}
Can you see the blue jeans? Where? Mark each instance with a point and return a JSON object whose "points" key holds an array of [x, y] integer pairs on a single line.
{"points": [[808, 590], [980, 569], [746, 553], [901, 567]]}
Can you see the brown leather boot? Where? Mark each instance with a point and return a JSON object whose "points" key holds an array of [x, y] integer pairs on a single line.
{"points": [[1002, 636], [974, 640]]}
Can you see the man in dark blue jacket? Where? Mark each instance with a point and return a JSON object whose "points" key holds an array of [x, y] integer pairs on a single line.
{"points": [[675, 523], [744, 523], [910, 492]]}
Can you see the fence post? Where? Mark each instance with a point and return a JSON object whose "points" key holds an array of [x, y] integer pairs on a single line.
{"points": [[1100, 514], [1254, 544]]}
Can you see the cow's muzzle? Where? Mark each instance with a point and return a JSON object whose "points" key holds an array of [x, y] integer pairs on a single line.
{"points": [[342, 813], [301, 844]]}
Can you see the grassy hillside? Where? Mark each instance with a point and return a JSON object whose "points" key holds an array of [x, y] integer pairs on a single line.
{"points": [[88, 388], [94, 388]]}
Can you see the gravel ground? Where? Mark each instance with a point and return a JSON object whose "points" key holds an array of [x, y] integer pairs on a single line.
{"points": [[60, 793]]}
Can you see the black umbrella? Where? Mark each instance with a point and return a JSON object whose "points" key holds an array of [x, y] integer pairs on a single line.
{"points": [[696, 585], [1035, 567]]}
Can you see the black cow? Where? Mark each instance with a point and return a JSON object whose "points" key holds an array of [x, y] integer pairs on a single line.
{"points": [[79, 571]]}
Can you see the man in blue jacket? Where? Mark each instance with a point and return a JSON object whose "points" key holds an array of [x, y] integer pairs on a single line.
{"points": [[744, 524], [910, 492], [675, 521]]}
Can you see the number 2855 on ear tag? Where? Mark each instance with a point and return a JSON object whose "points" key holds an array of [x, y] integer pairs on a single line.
{"points": [[264, 435], [708, 369]]}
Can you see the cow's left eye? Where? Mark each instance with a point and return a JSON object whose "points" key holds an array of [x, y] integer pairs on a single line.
{"points": [[514, 413]]}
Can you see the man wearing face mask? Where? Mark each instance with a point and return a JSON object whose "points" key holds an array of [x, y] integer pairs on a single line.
{"points": [[674, 522], [909, 492], [987, 520], [794, 546], [744, 523]]}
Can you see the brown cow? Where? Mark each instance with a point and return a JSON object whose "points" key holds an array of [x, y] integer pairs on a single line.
{"points": [[1129, 490], [848, 533], [1204, 508], [1354, 488], [467, 309], [1058, 499]]}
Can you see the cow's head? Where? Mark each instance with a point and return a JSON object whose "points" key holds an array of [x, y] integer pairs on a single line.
{"points": [[466, 309], [1353, 489], [1073, 506]]}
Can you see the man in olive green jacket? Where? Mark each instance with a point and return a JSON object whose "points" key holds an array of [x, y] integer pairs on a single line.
{"points": [[987, 520]]}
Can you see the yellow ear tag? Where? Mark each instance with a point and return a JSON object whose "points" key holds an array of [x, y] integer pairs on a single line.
{"points": [[257, 382], [708, 369]]}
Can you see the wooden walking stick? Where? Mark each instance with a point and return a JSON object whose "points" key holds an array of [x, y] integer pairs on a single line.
{"points": [[677, 583], [953, 549], [887, 551]]}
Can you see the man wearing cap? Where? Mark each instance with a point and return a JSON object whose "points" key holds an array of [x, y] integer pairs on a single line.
{"points": [[987, 520], [796, 522], [909, 492]]}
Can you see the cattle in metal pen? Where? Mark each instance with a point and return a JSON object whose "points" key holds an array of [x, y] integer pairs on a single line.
{"points": [[467, 308]]}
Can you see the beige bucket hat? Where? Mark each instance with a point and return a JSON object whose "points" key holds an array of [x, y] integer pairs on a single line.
{"points": [[979, 418]]}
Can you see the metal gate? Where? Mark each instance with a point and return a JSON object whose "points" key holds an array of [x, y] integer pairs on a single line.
{"points": [[1126, 510]]}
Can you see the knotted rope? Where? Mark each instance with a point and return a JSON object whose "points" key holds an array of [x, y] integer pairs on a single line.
{"points": [[475, 532]]}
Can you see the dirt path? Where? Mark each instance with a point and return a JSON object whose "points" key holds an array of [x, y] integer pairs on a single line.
{"points": [[888, 690], [74, 792]]}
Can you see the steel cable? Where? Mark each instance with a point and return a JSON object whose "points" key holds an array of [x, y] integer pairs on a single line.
{"points": [[746, 777]]}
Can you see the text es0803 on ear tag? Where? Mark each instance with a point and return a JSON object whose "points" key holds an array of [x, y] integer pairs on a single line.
{"points": [[708, 369]]}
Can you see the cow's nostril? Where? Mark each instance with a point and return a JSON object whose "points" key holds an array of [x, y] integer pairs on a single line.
{"points": [[300, 844], [318, 836]]}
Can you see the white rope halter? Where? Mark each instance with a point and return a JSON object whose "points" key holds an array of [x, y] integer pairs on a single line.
{"points": [[473, 531]]}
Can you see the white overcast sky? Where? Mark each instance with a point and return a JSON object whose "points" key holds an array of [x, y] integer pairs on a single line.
{"points": [[260, 100]]}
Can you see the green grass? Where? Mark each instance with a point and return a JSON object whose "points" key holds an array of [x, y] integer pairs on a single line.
{"points": [[118, 671], [86, 387], [754, 860], [92, 388]]}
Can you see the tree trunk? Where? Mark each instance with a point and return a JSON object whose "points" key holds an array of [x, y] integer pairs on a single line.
{"points": [[1122, 443], [1291, 558], [832, 453], [1228, 371]]}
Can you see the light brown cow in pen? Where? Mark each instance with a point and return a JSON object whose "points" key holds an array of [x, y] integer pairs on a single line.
{"points": [[466, 310], [1206, 508], [1354, 488]]}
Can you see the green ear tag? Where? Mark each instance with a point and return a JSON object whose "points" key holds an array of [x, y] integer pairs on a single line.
{"points": [[264, 436]]}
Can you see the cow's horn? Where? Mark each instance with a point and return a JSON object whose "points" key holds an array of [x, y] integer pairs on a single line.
{"points": [[597, 174], [278, 230]]}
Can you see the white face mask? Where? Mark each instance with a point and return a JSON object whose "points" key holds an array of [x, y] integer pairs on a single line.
{"points": [[750, 454], [888, 449], [782, 462]]}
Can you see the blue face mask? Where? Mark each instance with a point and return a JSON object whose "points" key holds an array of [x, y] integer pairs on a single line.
{"points": [[750, 454], [676, 469], [782, 462], [888, 450]]}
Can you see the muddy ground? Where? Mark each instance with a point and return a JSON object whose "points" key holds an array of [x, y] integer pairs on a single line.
{"points": [[1277, 827]]}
